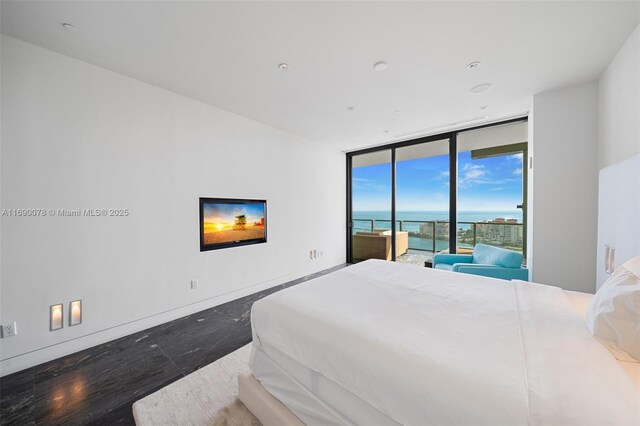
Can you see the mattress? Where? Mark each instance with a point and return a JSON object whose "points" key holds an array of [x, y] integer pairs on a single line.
{"points": [[312, 397], [317, 400], [382, 343]]}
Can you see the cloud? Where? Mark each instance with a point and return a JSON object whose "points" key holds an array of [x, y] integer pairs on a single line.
{"points": [[515, 157], [496, 189], [472, 174], [364, 183], [477, 174], [517, 171], [470, 166], [443, 177]]}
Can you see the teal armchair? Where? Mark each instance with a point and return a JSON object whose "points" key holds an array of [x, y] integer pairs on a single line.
{"points": [[487, 261]]}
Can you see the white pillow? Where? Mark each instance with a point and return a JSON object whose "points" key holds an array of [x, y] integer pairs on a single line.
{"points": [[614, 313]]}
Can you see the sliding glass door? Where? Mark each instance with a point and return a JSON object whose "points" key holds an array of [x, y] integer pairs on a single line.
{"points": [[409, 186], [422, 201], [371, 196], [492, 187], [445, 193]]}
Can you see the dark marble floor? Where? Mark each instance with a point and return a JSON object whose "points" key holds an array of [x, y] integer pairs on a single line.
{"points": [[99, 385]]}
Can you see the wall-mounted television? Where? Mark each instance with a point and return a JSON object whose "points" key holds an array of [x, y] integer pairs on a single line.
{"points": [[228, 222]]}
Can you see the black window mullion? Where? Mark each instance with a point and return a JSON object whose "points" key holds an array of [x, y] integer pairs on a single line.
{"points": [[453, 192], [349, 213], [393, 204]]}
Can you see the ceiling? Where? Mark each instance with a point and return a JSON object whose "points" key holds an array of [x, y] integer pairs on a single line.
{"points": [[227, 54], [486, 137]]}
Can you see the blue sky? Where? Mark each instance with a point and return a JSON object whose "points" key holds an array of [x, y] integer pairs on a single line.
{"points": [[227, 212], [487, 184]]}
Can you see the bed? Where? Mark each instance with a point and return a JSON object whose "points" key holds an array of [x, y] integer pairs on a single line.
{"points": [[385, 343]]}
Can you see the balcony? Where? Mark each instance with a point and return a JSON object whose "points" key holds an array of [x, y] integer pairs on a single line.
{"points": [[427, 238]]}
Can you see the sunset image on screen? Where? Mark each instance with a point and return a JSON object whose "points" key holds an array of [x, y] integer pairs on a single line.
{"points": [[224, 223]]}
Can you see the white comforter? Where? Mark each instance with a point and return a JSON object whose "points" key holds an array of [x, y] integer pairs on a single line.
{"points": [[434, 347]]}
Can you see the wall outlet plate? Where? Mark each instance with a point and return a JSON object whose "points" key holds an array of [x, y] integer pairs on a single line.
{"points": [[194, 284], [9, 330]]}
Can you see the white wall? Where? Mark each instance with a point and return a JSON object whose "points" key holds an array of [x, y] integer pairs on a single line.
{"points": [[619, 105], [619, 155], [565, 181], [618, 216], [78, 136]]}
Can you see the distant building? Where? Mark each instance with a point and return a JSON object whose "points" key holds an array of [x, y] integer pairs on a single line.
{"points": [[501, 231]]}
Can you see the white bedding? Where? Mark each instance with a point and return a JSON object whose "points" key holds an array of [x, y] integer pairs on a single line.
{"points": [[313, 398], [431, 347]]}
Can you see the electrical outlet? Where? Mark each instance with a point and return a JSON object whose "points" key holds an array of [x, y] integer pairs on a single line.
{"points": [[315, 254], [194, 284], [310, 255], [9, 330]]}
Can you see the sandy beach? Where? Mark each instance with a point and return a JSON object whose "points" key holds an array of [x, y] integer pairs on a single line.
{"points": [[229, 235]]}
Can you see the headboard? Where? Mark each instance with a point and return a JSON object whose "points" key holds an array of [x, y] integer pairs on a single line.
{"points": [[618, 216]]}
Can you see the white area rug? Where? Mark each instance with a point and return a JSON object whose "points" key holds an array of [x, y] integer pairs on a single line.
{"points": [[205, 397]]}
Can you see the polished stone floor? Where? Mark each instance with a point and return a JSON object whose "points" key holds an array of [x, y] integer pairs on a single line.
{"points": [[416, 257], [99, 385]]}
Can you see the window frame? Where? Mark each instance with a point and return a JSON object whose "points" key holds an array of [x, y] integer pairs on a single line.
{"points": [[452, 136]]}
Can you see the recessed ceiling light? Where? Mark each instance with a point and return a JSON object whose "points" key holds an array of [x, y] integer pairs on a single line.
{"points": [[380, 66], [480, 88], [350, 108], [483, 107], [283, 66], [473, 65], [69, 27]]}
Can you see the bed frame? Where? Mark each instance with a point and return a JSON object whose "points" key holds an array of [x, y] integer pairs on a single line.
{"points": [[269, 410]]}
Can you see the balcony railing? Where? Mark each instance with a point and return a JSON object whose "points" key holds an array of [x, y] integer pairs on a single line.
{"points": [[421, 233]]}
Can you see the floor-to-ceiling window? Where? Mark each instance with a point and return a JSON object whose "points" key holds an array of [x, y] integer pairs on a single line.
{"points": [[492, 187], [371, 199], [444, 193], [422, 200]]}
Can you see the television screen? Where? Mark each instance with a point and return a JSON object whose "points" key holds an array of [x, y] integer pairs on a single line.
{"points": [[228, 222]]}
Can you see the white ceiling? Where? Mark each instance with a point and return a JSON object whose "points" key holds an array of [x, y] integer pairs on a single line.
{"points": [[227, 54], [486, 137]]}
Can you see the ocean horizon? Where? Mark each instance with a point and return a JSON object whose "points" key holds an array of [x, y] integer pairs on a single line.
{"points": [[362, 218]]}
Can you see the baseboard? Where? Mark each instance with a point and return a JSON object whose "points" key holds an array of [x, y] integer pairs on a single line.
{"points": [[49, 353]]}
